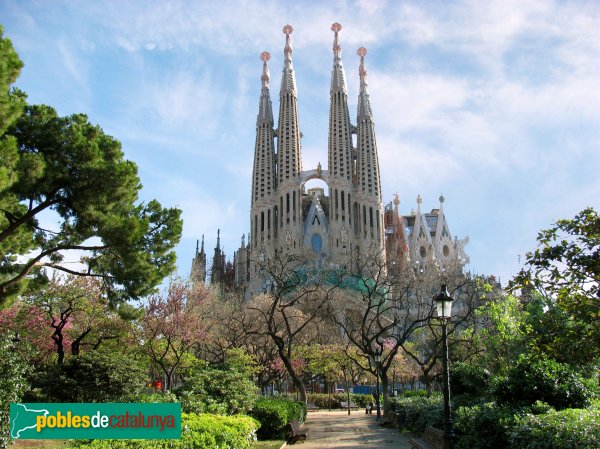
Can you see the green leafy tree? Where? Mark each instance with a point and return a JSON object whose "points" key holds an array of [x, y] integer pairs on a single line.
{"points": [[500, 332], [70, 167], [565, 271]]}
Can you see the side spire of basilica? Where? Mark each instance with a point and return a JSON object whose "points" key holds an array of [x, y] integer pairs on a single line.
{"points": [[264, 169], [370, 207]]}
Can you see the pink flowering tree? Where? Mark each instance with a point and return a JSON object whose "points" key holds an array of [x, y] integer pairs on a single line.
{"points": [[171, 329], [71, 313]]}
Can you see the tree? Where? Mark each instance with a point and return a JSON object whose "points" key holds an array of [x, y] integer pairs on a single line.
{"points": [[467, 332], [70, 168], [565, 271], [388, 307], [172, 328], [79, 315], [499, 332], [295, 305]]}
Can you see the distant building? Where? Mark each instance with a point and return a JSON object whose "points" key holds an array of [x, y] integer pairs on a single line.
{"points": [[338, 227]]}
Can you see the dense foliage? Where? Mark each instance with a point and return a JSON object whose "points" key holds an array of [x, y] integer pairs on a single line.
{"points": [[95, 376], [565, 270], [225, 390], [274, 416], [483, 426], [564, 429], [468, 382], [538, 379], [418, 412], [68, 169], [13, 382]]}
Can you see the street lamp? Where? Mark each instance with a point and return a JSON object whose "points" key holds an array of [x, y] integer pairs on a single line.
{"points": [[443, 302], [378, 405]]}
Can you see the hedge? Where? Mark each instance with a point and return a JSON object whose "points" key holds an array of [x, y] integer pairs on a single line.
{"points": [[484, 426], [564, 429], [534, 378], [275, 414], [419, 412], [321, 400], [197, 432]]}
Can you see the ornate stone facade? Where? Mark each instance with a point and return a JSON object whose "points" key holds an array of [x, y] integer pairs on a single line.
{"points": [[341, 226]]}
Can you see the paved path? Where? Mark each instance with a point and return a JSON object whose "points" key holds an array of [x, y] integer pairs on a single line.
{"points": [[332, 430]]}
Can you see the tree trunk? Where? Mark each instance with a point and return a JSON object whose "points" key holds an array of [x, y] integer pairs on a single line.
{"points": [[348, 394], [290, 369], [386, 393], [76, 344]]}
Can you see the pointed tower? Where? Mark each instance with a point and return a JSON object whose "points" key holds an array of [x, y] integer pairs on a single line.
{"points": [[339, 157], [262, 212], [218, 262], [289, 164], [198, 273], [370, 210]]}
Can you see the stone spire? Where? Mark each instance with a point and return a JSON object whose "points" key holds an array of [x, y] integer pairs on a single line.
{"points": [[288, 137], [367, 158], [198, 273], [364, 104], [288, 78], [340, 129], [218, 262], [265, 111], [338, 77], [339, 156], [263, 177]]}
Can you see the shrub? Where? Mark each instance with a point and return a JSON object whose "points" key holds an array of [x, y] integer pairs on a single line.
{"points": [[565, 429], [94, 376], [419, 412], [12, 382], [362, 400], [275, 414], [539, 379], [226, 390], [322, 400], [484, 426], [197, 432], [468, 382], [415, 393]]}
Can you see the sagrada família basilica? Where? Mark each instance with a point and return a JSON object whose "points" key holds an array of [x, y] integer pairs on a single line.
{"points": [[338, 227]]}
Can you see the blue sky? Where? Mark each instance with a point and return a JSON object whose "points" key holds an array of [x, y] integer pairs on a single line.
{"points": [[494, 104]]}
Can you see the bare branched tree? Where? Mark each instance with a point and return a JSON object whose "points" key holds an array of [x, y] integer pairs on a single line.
{"points": [[387, 308], [293, 305]]}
